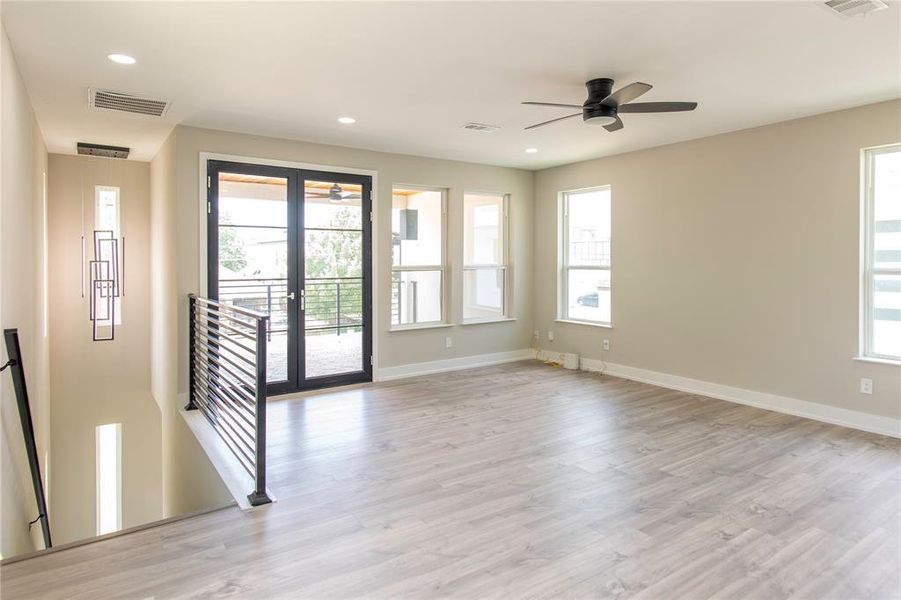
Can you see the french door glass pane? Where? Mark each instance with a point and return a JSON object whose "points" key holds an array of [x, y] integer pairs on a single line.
{"points": [[483, 293], [887, 315], [415, 297], [588, 294], [329, 205], [416, 227], [333, 278], [253, 255]]}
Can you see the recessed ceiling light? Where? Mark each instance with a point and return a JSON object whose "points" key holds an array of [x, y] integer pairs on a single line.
{"points": [[122, 59], [347, 120], [531, 150]]}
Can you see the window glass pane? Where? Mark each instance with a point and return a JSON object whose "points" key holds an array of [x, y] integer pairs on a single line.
{"points": [[252, 253], [415, 297], [887, 209], [106, 217], [483, 229], [887, 315], [109, 487], [588, 294], [588, 238], [483, 293], [416, 227], [330, 205]]}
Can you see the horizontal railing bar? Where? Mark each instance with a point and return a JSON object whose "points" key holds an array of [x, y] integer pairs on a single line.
{"points": [[255, 279], [209, 388], [236, 377], [246, 403], [326, 279], [216, 345], [215, 316], [237, 309], [236, 331], [241, 226], [226, 437], [247, 392], [221, 339], [234, 433]]}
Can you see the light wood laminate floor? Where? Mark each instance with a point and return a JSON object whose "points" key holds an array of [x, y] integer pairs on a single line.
{"points": [[524, 481]]}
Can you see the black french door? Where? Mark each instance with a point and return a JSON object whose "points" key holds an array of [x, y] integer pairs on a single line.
{"points": [[297, 245]]}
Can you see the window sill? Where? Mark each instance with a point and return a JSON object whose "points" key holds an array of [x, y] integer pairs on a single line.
{"points": [[878, 361], [486, 321], [418, 327], [589, 323]]}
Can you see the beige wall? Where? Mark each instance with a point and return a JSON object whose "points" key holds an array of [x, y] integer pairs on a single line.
{"points": [[735, 259], [393, 348], [22, 301], [93, 383], [189, 481]]}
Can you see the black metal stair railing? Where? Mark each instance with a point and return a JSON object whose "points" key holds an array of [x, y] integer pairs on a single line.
{"points": [[228, 381], [17, 369]]}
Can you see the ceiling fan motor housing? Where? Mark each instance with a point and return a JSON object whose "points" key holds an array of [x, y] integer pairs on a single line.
{"points": [[593, 112]]}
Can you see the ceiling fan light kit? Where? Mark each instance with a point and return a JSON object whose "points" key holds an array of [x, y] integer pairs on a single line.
{"points": [[603, 105]]}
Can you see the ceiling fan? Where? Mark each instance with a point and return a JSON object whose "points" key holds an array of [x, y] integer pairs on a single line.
{"points": [[603, 105], [334, 194]]}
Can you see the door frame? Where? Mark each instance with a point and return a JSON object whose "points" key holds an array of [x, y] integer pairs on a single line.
{"points": [[204, 188]]}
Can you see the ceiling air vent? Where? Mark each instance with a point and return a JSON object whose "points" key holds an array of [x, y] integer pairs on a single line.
{"points": [[481, 127], [849, 8], [108, 100], [101, 150]]}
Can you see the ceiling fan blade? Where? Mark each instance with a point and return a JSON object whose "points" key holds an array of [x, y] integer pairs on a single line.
{"points": [[578, 114], [653, 107], [626, 94], [615, 126], [554, 104]]}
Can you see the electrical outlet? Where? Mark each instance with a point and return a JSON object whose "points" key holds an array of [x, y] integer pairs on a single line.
{"points": [[866, 385], [550, 336], [606, 344], [448, 342], [536, 335]]}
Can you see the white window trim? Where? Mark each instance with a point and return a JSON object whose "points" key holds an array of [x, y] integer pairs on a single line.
{"points": [[868, 270], [505, 260], [442, 268], [563, 259]]}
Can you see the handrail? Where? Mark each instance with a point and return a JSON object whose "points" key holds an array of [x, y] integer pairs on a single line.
{"points": [[18, 372], [219, 393]]}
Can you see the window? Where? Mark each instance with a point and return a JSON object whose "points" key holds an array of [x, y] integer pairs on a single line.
{"points": [[107, 226], [484, 256], [881, 294], [109, 478], [417, 256], [585, 256]]}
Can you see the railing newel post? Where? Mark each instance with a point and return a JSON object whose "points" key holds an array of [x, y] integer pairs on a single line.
{"points": [[192, 345], [259, 495]]}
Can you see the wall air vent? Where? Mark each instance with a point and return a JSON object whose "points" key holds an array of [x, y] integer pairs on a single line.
{"points": [[850, 8], [101, 150], [108, 100], [481, 127]]}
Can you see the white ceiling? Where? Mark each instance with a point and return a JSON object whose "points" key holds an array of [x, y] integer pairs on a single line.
{"points": [[413, 73]]}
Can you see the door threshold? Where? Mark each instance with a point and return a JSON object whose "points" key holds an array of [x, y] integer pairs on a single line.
{"points": [[337, 387]]}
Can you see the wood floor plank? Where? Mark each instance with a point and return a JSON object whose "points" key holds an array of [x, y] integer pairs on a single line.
{"points": [[523, 481]]}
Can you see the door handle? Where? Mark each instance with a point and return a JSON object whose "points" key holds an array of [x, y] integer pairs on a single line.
{"points": [[303, 299], [291, 296]]}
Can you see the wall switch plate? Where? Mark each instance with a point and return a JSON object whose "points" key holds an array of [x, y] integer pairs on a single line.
{"points": [[550, 336], [536, 335], [606, 344], [448, 342], [866, 385]]}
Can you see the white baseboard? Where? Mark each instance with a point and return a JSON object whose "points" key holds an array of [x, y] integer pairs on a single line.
{"points": [[791, 406], [452, 364]]}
